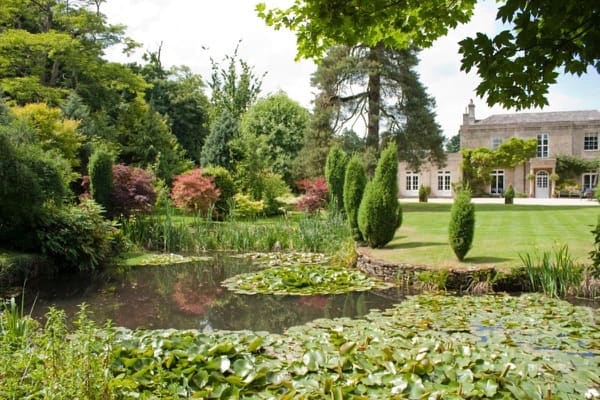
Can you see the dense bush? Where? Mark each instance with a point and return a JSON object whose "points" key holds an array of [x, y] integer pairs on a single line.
{"points": [[224, 182], [509, 195], [194, 192], [335, 170], [100, 169], [379, 213], [355, 180], [133, 190], [245, 207], [424, 192], [595, 253], [462, 224], [273, 186], [315, 194], [77, 237]]}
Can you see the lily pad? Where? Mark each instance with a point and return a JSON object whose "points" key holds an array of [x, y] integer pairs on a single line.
{"points": [[153, 259], [302, 279]]}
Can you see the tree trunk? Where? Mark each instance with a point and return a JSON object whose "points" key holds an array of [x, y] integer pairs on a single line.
{"points": [[374, 96]]}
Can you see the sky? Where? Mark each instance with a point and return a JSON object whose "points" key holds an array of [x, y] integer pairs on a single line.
{"points": [[192, 32]]}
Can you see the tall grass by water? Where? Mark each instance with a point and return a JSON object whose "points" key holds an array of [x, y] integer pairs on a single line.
{"points": [[174, 232], [555, 273]]}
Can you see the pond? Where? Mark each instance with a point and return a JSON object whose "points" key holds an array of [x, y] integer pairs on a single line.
{"points": [[190, 296]]}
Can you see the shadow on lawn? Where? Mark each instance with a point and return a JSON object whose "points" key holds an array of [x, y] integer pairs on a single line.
{"points": [[413, 245], [445, 207], [486, 260]]}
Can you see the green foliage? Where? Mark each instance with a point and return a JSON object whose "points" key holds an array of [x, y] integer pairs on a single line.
{"points": [[273, 187], [461, 229], [303, 279], [335, 170], [216, 149], [355, 181], [101, 177], [569, 167], [453, 144], [283, 122], [424, 192], [519, 63], [379, 213], [224, 182], [319, 24], [245, 207], [515, 151], [595, 253], [554, 273], [509, 195], [77, 237]]}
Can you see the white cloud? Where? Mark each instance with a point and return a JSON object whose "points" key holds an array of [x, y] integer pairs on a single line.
{"points": [[194, 31]]}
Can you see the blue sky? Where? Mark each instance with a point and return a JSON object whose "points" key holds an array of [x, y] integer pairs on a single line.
{"points": [[194, 31]]}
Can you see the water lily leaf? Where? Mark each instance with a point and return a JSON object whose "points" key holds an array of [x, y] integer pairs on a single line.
{"points": [[313, 360], [221, 363], [347, 347], [489, 387], [242, 367]]}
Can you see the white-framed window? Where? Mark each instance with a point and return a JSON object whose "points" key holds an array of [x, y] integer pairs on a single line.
{"points": [[412, 181], [443, 180], [542, 145], [589, 180], [497, 186], [496, 142], [590, 141]]}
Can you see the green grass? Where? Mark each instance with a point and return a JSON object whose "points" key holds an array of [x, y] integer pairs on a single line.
{"points": [[501, 234]]}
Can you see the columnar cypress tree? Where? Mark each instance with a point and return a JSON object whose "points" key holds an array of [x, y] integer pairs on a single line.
{"points": [[335, 170], [355, 180], [462, 224], [379, 214], [101, 177]]}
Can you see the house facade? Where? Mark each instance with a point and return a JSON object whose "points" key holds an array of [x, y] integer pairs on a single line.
{"points": [[573, 133]]}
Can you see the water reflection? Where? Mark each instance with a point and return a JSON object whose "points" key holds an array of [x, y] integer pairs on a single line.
{"points": [[190, 296]]}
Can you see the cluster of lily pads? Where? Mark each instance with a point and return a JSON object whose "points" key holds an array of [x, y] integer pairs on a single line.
{"points": [[154, 259], [303, 279], [429, 347]]}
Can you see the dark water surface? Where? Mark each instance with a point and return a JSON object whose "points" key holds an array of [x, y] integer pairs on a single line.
{"points": [[189, 296]]}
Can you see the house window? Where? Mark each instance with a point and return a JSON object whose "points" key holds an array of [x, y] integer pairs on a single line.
{"points": [[497, 186], [412, 181], [590, 141], [443, 181], [542, 145], [589, 181], [496, 142]]}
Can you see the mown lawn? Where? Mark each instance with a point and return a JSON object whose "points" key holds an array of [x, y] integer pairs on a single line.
{"points": [[501, 234]]}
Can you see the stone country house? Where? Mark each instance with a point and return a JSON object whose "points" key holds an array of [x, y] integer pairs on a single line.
{"points": [[574, 133]]}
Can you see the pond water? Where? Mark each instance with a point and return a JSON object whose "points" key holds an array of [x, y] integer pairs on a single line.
{"points": [[189, 296]]}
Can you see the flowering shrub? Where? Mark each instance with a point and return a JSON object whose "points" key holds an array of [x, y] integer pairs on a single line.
{"points": [[133, 190], [194, 192], [315, 194]]}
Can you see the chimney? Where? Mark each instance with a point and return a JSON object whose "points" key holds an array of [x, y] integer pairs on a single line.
{"points": [[469, 116]]}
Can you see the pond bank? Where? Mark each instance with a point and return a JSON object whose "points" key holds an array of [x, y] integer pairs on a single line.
{"points": [[472, 279]]}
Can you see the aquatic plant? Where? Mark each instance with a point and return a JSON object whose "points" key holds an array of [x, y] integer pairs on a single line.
{"points": [[555, 273]]}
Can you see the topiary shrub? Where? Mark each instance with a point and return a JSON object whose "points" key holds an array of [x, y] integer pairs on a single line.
{"points": [[315, 194], [335, 170], [424, 192], [133, 190], [379, 215], [509, 195], [462, 224], [194, 192], [224, 182], [78, 237], [355, 180], [100, 170]]}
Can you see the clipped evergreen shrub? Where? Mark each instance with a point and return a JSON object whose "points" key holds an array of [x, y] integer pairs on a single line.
{"points": [[462, 224], [424, 193], [223, 180], [509, 195], [379, 214], [100, 169], [335, 170], [355, 180]]}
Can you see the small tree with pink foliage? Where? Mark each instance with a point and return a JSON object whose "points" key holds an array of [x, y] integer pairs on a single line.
{"points": [[194, 192], [315, 194]]}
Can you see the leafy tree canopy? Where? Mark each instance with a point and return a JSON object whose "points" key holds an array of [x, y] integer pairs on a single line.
{"points": [[518, 65], [321, 24]]}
